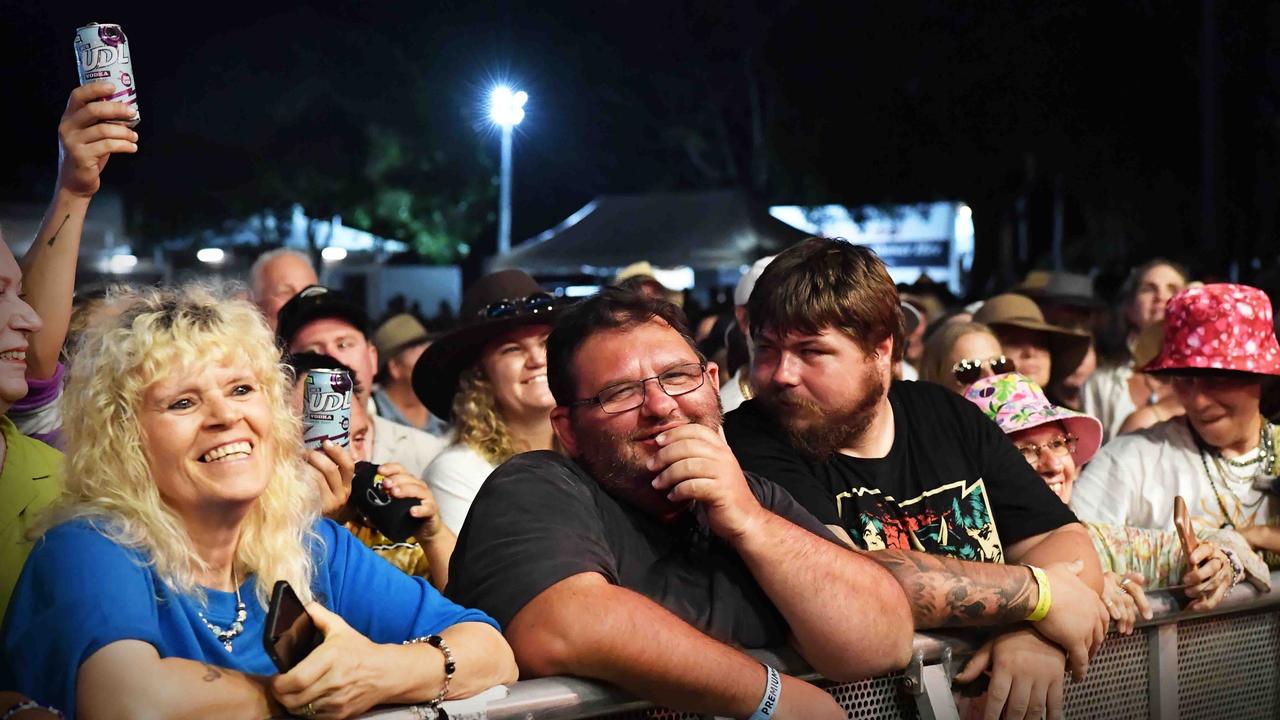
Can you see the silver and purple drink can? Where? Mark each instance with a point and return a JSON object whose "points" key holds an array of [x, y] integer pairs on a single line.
{"points": [[102, 53], [326, 409]]}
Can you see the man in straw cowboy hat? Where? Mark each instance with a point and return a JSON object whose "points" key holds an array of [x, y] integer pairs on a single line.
{"points": [[1219, 346], [400, 341], [897, 466]]}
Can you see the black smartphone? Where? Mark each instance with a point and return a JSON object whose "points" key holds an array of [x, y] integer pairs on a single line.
{"points": [[290, 635], [389, 516]]}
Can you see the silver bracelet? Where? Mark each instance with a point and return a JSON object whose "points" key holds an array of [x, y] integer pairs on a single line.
{"points": [[438, 643]]}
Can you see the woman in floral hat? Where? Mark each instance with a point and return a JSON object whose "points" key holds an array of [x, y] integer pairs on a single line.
{"points": [[1219, 344], [1057, 442]]}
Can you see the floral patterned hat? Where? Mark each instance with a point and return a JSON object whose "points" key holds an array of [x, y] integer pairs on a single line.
{"points": [[1015, 402], [1219, 327]]}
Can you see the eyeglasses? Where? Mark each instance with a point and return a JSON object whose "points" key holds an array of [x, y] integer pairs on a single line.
{"points": [[1061, 446], [620, 398], [531, 305], [969, 370]]}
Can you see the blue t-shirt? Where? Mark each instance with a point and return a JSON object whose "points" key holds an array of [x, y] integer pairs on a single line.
{"points": [[79, 592]]}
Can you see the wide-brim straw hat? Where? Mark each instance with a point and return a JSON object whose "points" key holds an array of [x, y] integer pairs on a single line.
{"points": [[1015, 402], [397, 333], [1219, 327], [1067, 347], [495, 304]]}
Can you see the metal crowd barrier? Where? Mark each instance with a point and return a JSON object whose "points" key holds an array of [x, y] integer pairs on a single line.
{"points": [[1179, 665]]}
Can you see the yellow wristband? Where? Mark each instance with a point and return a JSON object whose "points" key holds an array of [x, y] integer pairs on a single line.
{"points": [[1046, 598]]}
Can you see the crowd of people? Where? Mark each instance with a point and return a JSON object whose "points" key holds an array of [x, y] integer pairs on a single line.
{"points": [[603, 489]]}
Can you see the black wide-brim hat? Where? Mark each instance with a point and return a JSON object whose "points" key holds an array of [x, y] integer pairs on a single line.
{"points": [[495, 304]]}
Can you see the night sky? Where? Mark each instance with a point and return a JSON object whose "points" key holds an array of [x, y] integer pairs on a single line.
{"points": [[799, 102]]}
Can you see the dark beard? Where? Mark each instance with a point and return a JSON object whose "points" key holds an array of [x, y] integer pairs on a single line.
{"points": [[828, 431], [624, 476]]}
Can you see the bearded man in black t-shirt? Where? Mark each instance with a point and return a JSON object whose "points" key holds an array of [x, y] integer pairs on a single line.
{"points": [[892, 465]]}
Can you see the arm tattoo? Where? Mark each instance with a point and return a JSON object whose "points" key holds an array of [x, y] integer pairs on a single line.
{"points": [[945, 592], [211, 673], [59, 230]]}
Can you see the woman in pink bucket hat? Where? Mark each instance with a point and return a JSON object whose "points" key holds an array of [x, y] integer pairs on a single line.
{"points": [[1219, 345], [1057, 442]]}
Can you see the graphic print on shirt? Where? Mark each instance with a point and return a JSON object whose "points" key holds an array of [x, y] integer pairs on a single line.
{"points": [[954, 519]]}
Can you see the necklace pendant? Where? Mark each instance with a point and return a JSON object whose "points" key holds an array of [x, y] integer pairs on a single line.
{"points": [[227, 645], [1153, 398]]}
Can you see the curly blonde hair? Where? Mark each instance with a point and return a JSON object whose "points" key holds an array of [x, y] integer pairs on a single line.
{"points": [[152, 335], [477, 422]]}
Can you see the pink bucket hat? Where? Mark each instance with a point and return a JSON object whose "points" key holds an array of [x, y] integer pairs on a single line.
{"points": [[1219, 327], [1015, 402]]}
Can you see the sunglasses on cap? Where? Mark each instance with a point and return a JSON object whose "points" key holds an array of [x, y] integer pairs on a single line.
{"points": [[530, 305], [969, 370]]}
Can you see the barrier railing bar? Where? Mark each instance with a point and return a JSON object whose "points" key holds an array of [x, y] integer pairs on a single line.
{"points": [[1162, 678], [568, 698]]}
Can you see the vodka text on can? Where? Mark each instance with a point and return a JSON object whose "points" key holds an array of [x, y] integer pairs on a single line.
{"points": [[102, 53], [326, 411]]}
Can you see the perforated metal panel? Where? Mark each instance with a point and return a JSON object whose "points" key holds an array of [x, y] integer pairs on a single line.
{"points": [[1116, 685], [879, 698], [1229, 667]]}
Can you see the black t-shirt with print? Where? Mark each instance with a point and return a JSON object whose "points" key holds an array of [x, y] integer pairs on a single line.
{"points": [[952, 484], [539, 518]]}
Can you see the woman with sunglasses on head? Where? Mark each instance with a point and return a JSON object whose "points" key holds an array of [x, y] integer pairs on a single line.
{"points": [[1057, 442], [960, 353], [488, 377]]}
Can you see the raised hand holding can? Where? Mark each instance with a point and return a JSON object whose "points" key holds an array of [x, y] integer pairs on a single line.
{"points": [[102, 53]]}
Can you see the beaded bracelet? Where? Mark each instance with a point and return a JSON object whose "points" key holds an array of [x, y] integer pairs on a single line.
{"points": [[1237, 567], [438, 643]]}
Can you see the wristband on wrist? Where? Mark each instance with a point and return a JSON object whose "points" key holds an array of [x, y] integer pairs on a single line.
{"points": [[772, 691], [1045, 600]]}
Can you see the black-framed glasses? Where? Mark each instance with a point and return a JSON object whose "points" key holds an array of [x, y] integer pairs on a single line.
{"points": [[1060, 446], [622, 397], [969, 370], [530, 305]]}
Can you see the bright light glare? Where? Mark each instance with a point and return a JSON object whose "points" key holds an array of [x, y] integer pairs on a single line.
{"points": [[333, 254], [212, 256], [122, 263], [506, 108]]}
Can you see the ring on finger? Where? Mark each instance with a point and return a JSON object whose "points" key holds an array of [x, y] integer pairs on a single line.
{"points": [[307, 711], [1124, 582]]}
